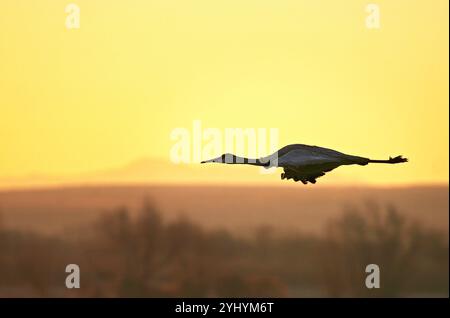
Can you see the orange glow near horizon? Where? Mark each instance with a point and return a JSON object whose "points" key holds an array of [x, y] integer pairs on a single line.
{"points": [[98, 98]]}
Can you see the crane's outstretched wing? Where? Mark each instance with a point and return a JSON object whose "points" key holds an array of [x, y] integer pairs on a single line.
{"points": [[303, 155], [306, 164]]}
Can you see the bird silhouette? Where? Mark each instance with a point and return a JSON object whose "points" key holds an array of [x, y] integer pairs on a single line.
{"points": [[303, 162]]}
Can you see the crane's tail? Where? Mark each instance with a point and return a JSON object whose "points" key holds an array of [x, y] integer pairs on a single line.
{"points": [[398, 159]]}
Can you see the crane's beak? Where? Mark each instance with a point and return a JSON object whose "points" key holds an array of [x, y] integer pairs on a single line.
{"points": [[218, 159]]}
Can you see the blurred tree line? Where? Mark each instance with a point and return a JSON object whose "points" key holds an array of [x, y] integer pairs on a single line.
{"points": [[144, 256]]}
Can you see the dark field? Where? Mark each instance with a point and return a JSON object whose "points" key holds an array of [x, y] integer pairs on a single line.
{"points": [[224, 241], [238, 209]]}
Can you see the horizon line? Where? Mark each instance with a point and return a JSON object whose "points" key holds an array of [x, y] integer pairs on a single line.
{"points": [[215, 184]]}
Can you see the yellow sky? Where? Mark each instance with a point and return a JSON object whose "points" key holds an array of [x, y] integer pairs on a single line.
{"points": [[111, 92]]}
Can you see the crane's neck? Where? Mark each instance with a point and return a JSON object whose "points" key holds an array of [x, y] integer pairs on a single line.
{"points": [[245, 161]]}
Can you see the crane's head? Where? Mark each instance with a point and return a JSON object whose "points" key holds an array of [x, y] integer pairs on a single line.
{"points": [[225, 158]]}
